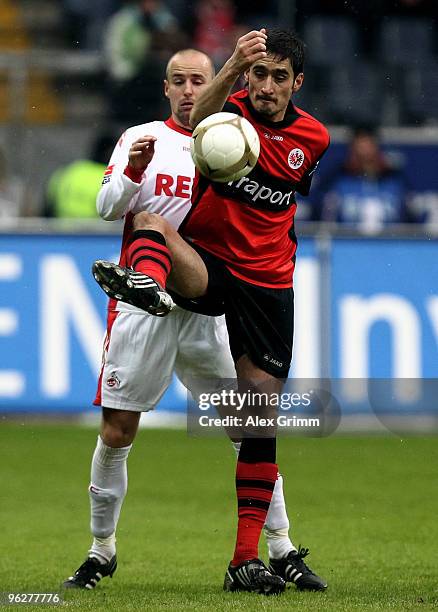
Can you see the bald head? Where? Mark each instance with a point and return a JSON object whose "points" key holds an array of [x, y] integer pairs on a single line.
{"points": [[188, 73], [191, 57]]}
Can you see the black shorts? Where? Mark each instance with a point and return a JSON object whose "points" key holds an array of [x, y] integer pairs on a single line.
{"points": [[260, 320]]}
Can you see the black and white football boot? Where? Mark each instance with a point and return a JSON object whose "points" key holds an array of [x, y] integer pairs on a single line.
{"points": [[293, 569], [90, 573], [254, 576], [132, 287]]}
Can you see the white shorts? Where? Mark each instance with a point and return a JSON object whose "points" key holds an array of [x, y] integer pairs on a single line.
{"points": [[141, 353]]}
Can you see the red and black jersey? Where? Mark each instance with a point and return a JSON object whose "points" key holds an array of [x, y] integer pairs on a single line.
{"points": [[249, 223]]}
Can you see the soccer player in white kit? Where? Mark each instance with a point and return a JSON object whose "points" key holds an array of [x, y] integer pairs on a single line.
{"points": [[151, 169]]}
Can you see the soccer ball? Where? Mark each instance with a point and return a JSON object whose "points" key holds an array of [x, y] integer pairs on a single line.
{"points": [[225, 147]]}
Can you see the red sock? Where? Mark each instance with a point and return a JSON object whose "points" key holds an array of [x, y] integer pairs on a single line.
{"points": [[254, 485], [147, 253]]}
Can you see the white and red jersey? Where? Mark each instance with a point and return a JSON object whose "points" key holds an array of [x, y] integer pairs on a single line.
{"points": [[164, 188], [166, 185]]}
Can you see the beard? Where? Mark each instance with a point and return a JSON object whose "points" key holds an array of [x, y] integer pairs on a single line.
{"points": [[267, 111], [267, 108], [183, 117]]}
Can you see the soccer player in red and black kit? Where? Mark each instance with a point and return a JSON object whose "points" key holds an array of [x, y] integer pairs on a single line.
{"points": [[235, 253]]}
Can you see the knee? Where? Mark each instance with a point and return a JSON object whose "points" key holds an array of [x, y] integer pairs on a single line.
{"points": [[149, 221], [117, 437], [118, 431], [252, 374]]}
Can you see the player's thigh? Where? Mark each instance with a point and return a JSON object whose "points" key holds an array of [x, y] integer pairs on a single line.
{"points": [[138, 362], [189, 276], [212, 302], [203, 352], [260, 323]]}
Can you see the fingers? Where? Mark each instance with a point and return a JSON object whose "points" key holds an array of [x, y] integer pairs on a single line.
{"points": [[255, 39], [251, 47], [143, 144], [255, 34], [141, 152]]}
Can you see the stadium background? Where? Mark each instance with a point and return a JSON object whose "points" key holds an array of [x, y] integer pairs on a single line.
{"points": [[367, 303]]}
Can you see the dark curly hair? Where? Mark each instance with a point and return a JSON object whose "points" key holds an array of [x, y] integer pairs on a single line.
{"points": [[286, 44]]}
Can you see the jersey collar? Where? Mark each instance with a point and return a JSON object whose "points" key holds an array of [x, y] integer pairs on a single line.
{"points": [[174, 126]]}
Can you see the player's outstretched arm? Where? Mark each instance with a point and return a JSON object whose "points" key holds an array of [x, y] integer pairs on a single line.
{"points": [[249, 49], [123, 178]]}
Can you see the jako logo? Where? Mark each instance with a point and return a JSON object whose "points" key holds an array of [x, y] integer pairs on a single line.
{"points": [[270, 359]]}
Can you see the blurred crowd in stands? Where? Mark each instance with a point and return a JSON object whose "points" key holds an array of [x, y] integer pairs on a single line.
{"points": [[369, 63], [373, 61]]}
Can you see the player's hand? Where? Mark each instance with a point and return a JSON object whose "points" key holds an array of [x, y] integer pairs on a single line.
{"points": [[141, 152], [250, 48]]}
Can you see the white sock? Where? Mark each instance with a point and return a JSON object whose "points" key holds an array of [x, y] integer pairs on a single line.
{"points": [[107, 490], [236, 446], [276, 526], [103, 549]]}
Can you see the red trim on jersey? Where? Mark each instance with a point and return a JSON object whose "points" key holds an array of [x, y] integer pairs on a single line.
{"points": [[135, 175], [126, 238], [178, 128], [127, 231], [112, 304], [112, 316]]}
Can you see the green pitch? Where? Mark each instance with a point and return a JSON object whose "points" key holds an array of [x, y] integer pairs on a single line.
{"points": [[366, 507]]}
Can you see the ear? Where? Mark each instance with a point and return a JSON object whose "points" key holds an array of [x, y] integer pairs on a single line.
{"points": [[246, 75], [166, 88], [299, 79]]}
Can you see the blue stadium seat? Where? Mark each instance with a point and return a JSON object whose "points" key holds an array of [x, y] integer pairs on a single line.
{"points": [[355, 93], [406, 41], [330, 40], [420, 87]]}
